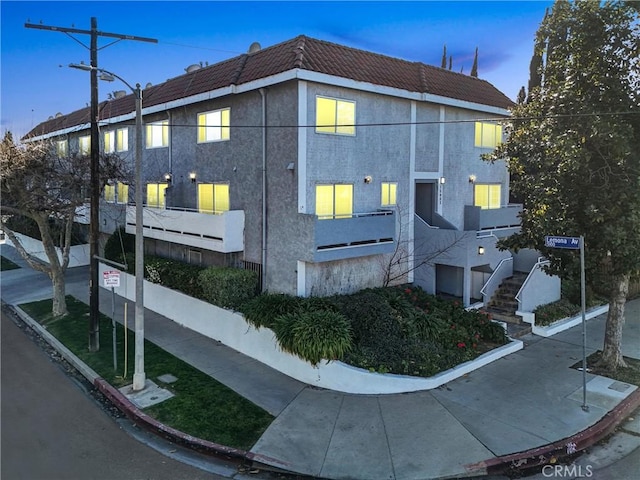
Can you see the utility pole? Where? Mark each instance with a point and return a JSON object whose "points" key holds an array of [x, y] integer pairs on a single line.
{"points": [[94, 227]]}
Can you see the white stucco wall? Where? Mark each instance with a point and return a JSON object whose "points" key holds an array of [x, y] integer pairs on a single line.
{"points": [[231, 329]]}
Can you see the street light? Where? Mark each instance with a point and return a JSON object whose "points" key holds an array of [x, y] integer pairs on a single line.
{"points": [[138, 372]]}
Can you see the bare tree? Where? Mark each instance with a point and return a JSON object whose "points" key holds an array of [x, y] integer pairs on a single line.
{"points": [[408, 255], [40, 185]]}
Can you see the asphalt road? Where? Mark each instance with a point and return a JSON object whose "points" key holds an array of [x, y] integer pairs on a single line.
{"points": [[52, 430]]}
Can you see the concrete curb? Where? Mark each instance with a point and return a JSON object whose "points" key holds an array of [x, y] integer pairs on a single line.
{"points": [[149, 423], [126, 406], [69, 356], [551, 453]]}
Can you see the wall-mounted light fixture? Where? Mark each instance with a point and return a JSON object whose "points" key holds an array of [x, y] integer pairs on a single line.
{"points": [[167, 177], [443, 180], [193, 177], [368, 179], [480, 250], [291, 166], [472, 178]]}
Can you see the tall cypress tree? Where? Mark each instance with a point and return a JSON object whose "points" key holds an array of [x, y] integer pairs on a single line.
{"points": [[444, 56], [474, 68]]}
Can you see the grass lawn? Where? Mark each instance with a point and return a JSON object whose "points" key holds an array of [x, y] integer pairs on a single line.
{"points": [[6, 264], [202, 406]]}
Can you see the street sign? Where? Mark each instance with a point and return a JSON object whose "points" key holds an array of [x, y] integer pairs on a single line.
{"points": [[111, 278], [571, 243]]}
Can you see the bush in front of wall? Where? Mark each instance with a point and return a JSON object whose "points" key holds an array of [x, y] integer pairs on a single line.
{"points": [[174, 275], [314, 335], [228, 287], [118, 245]]}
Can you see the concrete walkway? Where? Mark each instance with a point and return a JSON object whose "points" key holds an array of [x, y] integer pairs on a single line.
{"points": [[526, 405]]}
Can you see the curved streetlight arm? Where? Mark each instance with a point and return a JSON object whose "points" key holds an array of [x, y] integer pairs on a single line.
{"points": [[88, 68]]}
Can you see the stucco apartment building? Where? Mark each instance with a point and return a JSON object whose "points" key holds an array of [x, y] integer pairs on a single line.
{"points": [[316, 164]]}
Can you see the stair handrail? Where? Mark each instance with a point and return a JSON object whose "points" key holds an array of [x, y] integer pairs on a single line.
{"points": [[483, 292], [541, 261]]}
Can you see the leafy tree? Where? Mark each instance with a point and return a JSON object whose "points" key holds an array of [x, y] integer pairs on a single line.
{"points": [[574, 147], [38, 184]]}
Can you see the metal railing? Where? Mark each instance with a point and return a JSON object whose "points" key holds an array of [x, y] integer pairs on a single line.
{"points": [[494, 275], [539, 264]]}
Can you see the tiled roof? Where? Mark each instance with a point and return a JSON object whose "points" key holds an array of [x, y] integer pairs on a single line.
{"points": [[303, 53]]}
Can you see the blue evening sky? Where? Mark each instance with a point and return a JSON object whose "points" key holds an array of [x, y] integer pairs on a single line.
{"points": [[34, 86]]}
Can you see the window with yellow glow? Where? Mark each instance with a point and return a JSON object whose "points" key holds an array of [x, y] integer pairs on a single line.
{"points": [[487, 196], [110, 193], [213, 197], [158, 134], [388, 193], [123, 193], [109, 142], [62, 148], [122, 139], [155, 194], [214, 126], [84, 145], [334, 201], [335, 116], [488, 135]]}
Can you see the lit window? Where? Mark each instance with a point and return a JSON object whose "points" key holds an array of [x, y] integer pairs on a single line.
{"points": [[84, 145], [123, 193], [213, 197], [388, 193], [488, 135], [110, 193], [117, 193], [334, 201], [62, 148], [155, 194], [158, 134], [335, 116], [122, 139], [487, 196], [109, 142], [214, 126]]}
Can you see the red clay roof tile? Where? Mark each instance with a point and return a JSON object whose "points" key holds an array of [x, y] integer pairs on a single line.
{"points": [[305, 53]]}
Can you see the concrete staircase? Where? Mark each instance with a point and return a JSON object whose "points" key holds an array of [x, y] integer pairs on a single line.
{"points": [[503, 305]]}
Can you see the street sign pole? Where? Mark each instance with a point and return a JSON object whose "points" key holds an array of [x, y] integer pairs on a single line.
{"points": [[575, 243], [113, 327], [583, 294]]}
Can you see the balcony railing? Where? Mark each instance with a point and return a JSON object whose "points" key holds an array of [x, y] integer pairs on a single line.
{"points": [[506, 217], [336, 238], [221, 232]]}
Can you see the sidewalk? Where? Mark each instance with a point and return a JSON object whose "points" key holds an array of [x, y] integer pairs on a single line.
{"points": [[522, 408]]}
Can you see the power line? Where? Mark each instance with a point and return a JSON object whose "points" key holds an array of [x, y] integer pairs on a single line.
{"points": [[392, 124]]}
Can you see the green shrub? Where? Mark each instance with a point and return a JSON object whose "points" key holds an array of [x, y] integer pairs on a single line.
{"points": [[552, 312], [314, 336], [118, 245], [228, 287], [175, 275], [262, 310]]}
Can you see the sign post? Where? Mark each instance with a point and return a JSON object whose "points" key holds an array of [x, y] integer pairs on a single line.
{"points": [[111, 279], [575, 243]]}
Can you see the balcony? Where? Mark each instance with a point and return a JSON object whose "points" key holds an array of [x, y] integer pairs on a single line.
{"points": [[501, 221], [221, 233], [110, 216], [356, 236]]}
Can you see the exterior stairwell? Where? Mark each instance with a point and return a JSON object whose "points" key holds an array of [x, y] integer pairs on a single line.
{"points": [[503, 305]]}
